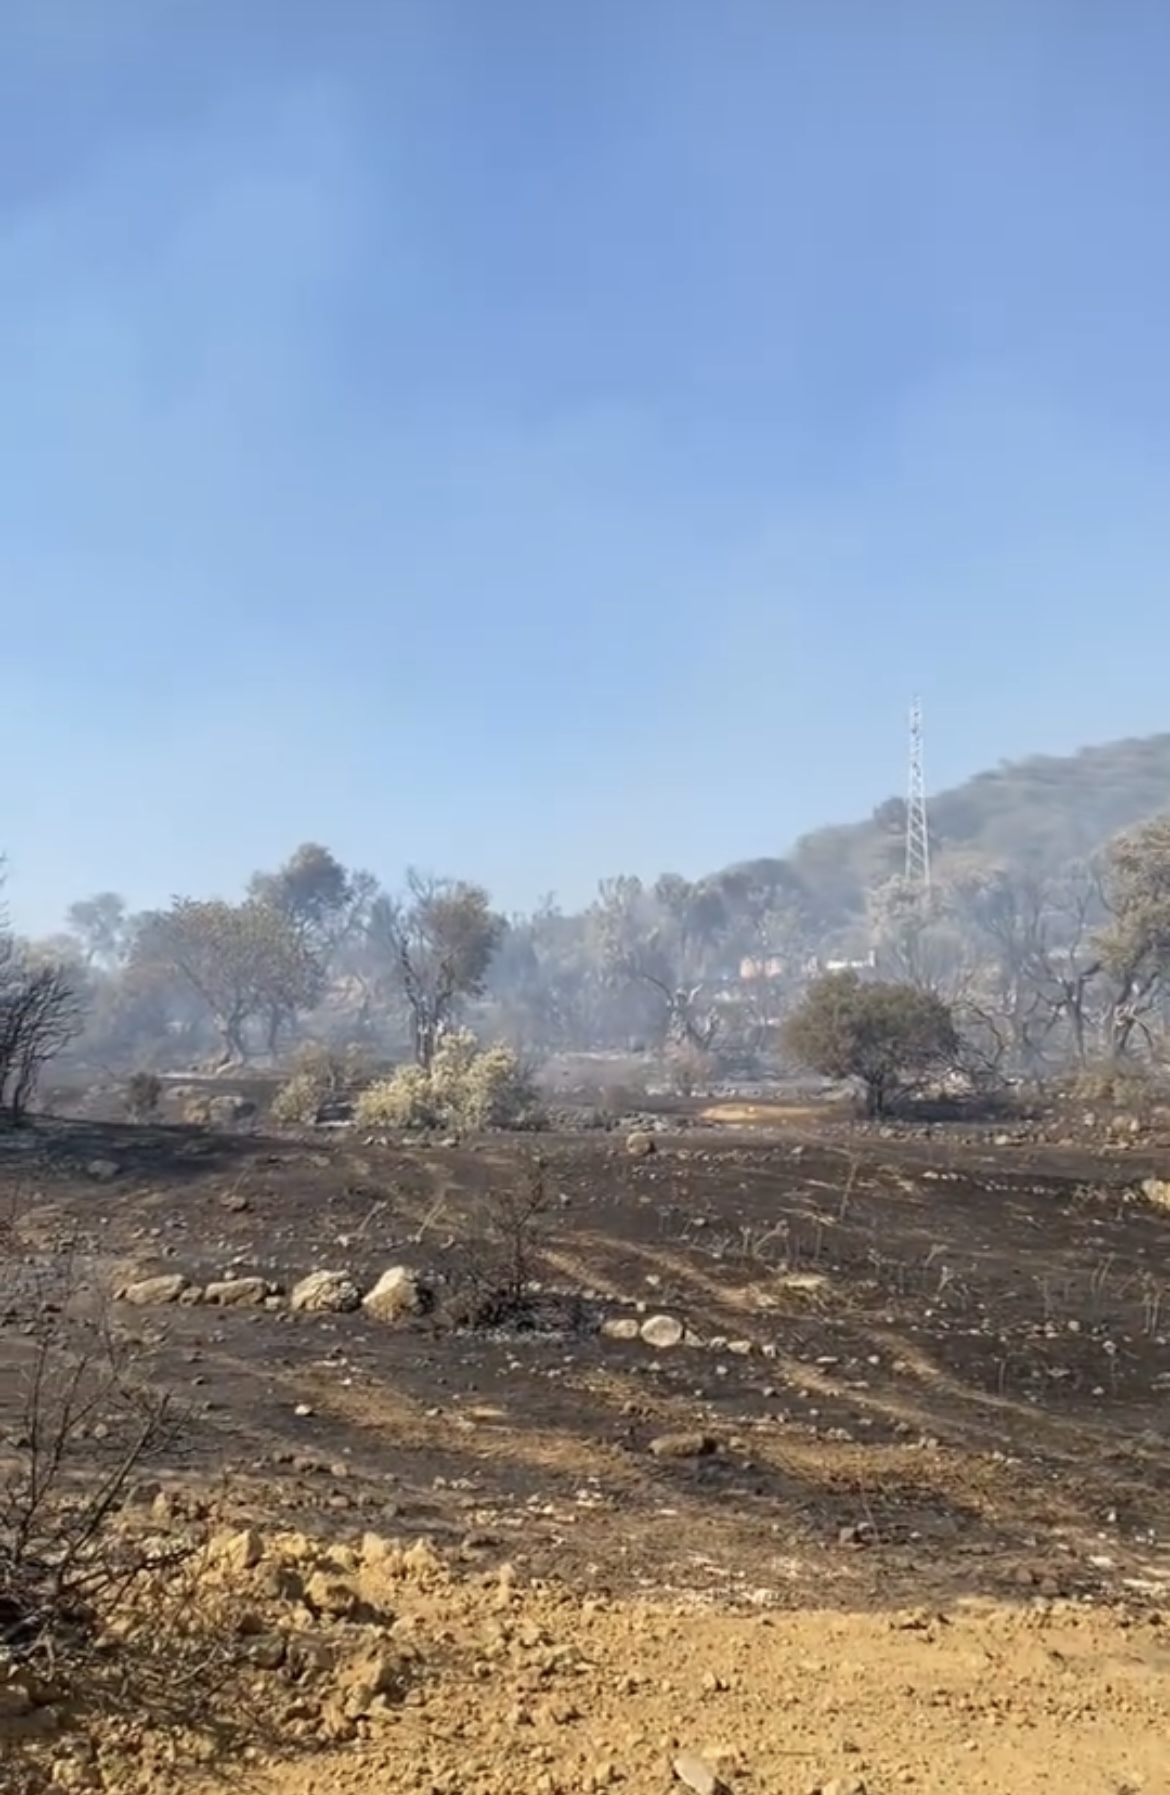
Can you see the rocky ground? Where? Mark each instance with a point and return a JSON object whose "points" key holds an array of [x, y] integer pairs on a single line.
{"points": [[814, 1462]]}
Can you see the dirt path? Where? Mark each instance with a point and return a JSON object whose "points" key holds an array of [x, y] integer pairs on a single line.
{"points": [[989, 1700]]}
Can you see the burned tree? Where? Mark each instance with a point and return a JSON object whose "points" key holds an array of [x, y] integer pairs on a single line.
{"points": [[41, 1012], [435, 945], [657, 940], [239, 960]]}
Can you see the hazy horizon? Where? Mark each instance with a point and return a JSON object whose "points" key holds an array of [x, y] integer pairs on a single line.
{"points": [[539, 443]]}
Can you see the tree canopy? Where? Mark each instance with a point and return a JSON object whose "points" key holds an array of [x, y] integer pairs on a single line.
{"points": [[885, 1035]]}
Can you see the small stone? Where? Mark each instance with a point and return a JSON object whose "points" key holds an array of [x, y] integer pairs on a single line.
{"points": [[620, 1327], [684, 1445], [238, 1293], [326, 1293], [397, 1293], [330, 1595], [103, 1169], [268, 1652], [696, 1774], [372, 1674], [240, 1551], [640, 1144], [147, 1292], [662, 1331]]}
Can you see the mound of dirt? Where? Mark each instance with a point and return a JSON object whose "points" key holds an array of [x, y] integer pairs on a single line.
{"points": [[380, 1666]]}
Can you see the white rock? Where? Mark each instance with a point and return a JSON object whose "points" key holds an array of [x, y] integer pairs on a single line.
{"points": [[620, 1327], [397, 1293], [697, 1775], [326, 1293], [237, 1292], [145, 1292], [662, 1331]]}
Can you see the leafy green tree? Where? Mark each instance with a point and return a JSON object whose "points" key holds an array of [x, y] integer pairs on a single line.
{"points": [[887, 1036]]}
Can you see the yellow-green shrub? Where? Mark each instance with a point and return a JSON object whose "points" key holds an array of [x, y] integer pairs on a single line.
{"points": [[466, 1087]]}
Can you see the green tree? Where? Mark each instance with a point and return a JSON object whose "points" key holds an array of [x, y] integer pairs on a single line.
{"points": [[435, 945], [240, 960], [888, 1036]]}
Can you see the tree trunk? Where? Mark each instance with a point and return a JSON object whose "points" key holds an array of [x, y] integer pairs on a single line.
{"points": [[426, 1039], [235, 1049]]}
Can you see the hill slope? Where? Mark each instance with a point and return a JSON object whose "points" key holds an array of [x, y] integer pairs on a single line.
{"points": [[1040, 812]]}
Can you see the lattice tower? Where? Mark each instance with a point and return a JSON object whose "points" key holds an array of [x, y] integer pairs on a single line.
{"points": [[917, 828]]}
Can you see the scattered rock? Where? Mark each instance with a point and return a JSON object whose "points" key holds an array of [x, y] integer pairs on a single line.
{"points": [[326, 1293], [103, 1170], [662, 1331], [639, 1144], [696, 1774], [224, 1110], [238, 1293], [684, 1445], [397, 1293], [621, 1327], [325, 1594], [147, 1292], [237, 1552], [369, 1675]]}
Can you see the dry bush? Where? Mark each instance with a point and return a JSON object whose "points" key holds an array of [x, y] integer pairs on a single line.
{"points": [[1131, 1086], [466, 1087], [102, 1621], [40, 1014], [690, 1069], [404, 1100], [143, 1096], [320, 1077], [493, 1276]]}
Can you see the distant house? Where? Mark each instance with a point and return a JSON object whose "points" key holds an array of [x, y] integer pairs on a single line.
{"points": [[773, 966], [869, 964]]}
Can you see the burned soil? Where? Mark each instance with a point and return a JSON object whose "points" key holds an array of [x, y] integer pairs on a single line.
{"points": [[891, 1376]]}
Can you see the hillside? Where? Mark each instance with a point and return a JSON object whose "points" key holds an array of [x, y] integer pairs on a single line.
{"points": [[1040, 812]]}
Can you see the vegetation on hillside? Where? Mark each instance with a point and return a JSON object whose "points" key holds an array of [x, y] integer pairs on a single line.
{"points": [[1045, 934]]}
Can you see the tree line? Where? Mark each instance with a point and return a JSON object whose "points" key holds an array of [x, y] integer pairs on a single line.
{"points": [[1035, 969]]}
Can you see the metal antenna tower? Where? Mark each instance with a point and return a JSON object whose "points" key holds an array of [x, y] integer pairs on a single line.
{"points": [[917, 831]]}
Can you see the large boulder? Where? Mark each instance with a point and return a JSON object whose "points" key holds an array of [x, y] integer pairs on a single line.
{"points": [[226, 1109], [238, 1293], [147, 1292], [398, 1293], [326, 1293], [662, 1331]]}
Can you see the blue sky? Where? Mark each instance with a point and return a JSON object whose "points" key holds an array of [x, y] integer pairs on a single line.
{"points": [[535, 440]]}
